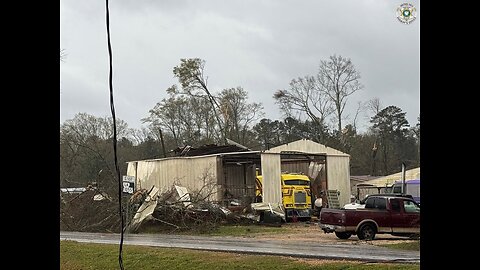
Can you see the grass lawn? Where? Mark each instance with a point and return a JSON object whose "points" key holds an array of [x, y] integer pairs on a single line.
{"points": [[75, 256]]}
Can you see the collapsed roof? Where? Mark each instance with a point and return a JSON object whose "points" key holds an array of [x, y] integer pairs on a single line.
{"points": [[209, 149]]}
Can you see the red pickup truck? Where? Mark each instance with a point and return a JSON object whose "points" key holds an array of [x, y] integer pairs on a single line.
{"points": [[394, 215]]}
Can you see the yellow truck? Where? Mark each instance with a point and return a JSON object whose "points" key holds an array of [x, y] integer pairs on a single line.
{"points": [[296, 195]]}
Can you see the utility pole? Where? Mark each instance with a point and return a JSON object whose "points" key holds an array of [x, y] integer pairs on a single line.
{"points": [[163, 144]]}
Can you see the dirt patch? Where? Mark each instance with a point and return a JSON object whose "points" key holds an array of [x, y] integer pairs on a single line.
{"points": [[311, 232]]}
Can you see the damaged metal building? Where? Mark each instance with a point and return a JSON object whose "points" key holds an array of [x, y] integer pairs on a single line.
{"points": [[230, 170]]}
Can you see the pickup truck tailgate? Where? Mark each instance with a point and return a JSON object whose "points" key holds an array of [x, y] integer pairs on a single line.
{"points": [[332, 216], [332, 219]]}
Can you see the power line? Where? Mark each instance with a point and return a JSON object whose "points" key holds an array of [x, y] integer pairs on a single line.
{"points": [[112, 108]]}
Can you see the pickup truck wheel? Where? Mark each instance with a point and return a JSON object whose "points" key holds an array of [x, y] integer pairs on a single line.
{"points": [[366, 232], [343, 235]]}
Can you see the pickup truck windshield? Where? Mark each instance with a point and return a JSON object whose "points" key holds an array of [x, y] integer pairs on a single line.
{"points": [[297, 182]]}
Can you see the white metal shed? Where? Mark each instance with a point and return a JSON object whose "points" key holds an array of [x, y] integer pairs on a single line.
{"points": [[337, 164], [234, 172]]}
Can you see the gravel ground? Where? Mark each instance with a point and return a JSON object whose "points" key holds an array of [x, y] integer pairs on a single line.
{"points": [[302, 231]]}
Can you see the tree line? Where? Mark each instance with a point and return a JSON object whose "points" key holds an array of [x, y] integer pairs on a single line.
{"points": [[193, 114]]}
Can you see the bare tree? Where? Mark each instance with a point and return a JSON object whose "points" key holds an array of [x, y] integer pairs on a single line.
{"points": [[374, 105], [141, 135], [190, 74], [84, 126], [187, 118], [338, 79], [194, 115], [85, 139], [360, 109], [237, 113], [306, 96], [166, 114]]}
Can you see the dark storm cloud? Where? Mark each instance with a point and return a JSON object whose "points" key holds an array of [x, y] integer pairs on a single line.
{"points": [[259, 45]]}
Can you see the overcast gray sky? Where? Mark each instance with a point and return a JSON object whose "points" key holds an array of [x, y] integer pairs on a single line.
{"points": [[259, 45]]}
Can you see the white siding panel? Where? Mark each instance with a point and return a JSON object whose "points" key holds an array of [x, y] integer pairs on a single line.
{"points": [[338, 177], [187, 172], [272, 186], [131, 168]]}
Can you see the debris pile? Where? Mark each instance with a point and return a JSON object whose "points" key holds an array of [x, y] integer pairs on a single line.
{"points": [[174, 211], [89, 211]]}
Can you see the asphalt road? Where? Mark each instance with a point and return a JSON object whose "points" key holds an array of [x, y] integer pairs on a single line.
{"points": [[253, 246]]}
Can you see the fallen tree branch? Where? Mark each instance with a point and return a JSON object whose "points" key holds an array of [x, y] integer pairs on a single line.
{"points": [[177, 227]]}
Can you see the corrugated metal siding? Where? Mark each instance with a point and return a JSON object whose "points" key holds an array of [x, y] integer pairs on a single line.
{"points": [[298, 167], [187, 172], [220, 176], [338, 177], [272, 188], [239, 180]]}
